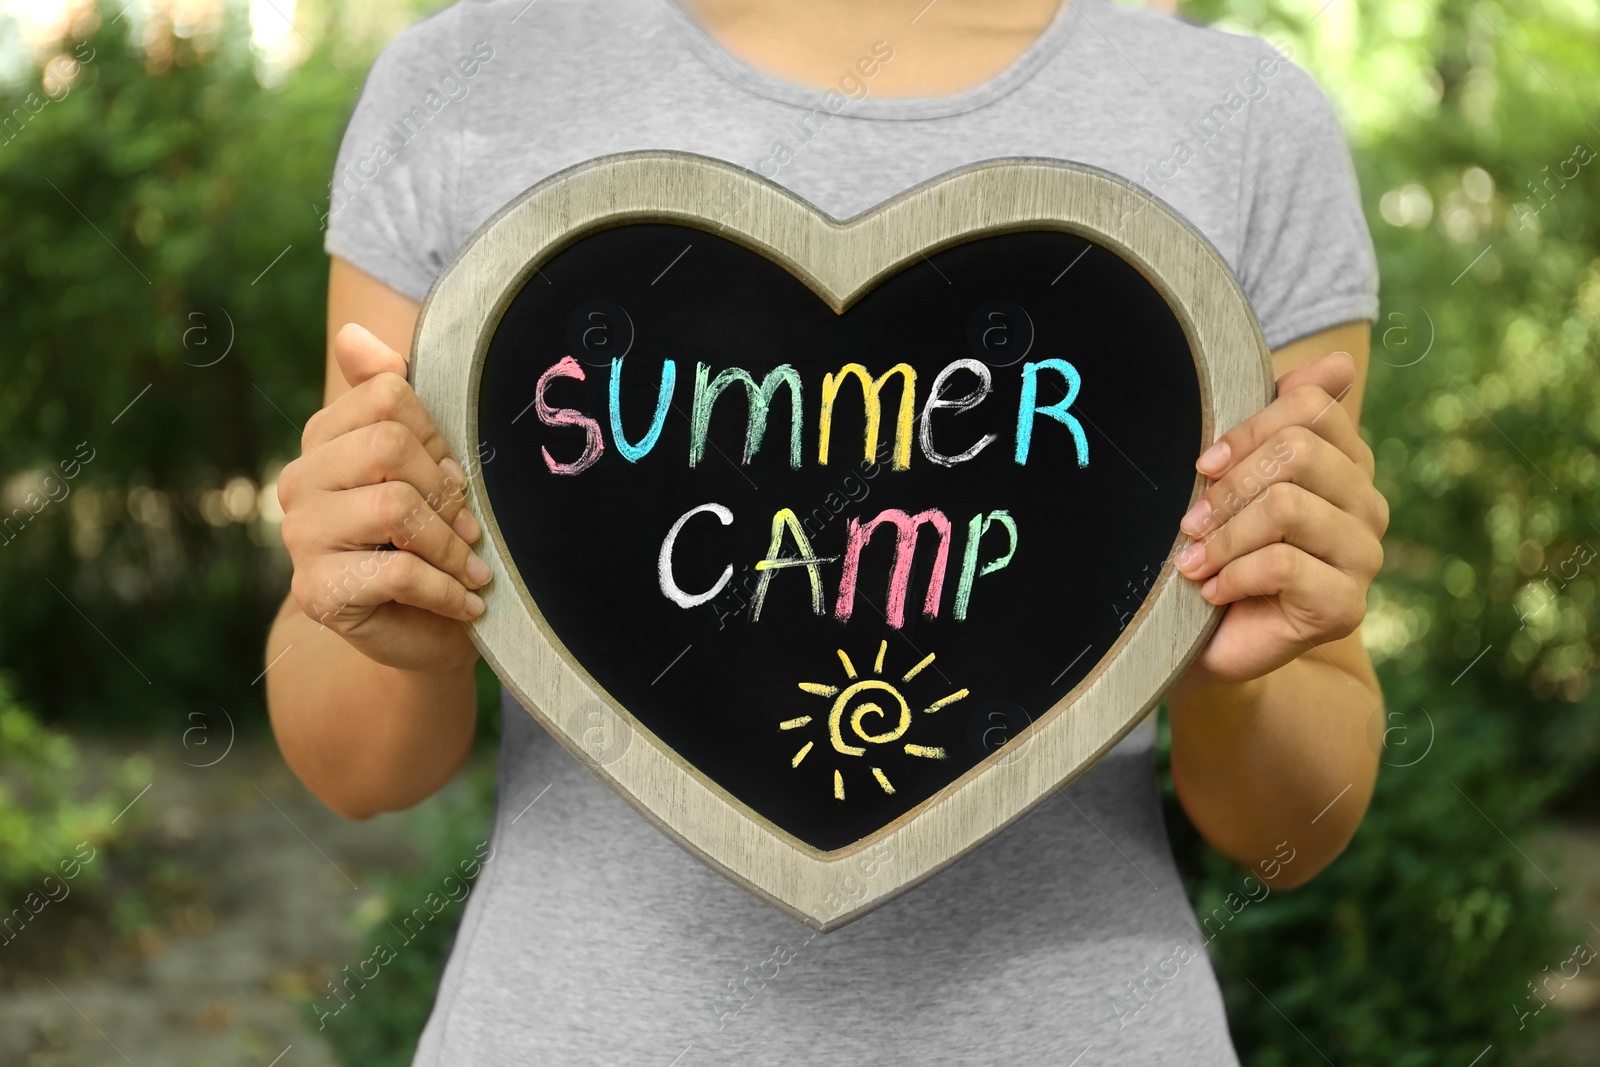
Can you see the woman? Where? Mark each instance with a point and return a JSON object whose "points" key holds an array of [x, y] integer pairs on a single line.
{"points": [[590, 937]]}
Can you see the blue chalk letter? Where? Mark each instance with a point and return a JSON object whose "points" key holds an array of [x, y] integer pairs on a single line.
{"points": [[1058, 411], [634, 453]]}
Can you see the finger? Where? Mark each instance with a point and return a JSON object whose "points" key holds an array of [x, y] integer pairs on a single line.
{"points": [[316, 473], [1322, 602], [315, 595], [353, 583], [1294, 454], [1307, 397], [1293, 515], [362, 356], [389, 513], [379, 452], [384, 397]]}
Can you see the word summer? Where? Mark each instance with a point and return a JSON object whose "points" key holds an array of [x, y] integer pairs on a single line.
{"points": [[761, 398]]}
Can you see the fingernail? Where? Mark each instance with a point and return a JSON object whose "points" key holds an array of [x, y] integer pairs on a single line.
{"points": [[478, 572], [465, 524], [1194, 523], [1214, 460], [474, 605], [452, 471], [1209, 590], [1190, 557]]}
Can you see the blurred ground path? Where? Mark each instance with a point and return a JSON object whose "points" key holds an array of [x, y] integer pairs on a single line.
{"points": [[214, 925], [1577, 872]]}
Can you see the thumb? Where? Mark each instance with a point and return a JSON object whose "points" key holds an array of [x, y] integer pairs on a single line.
{"points": [[362, 356], [1335, 373]]}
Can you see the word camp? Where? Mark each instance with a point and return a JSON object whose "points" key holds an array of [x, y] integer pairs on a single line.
{"points": [[789, 546]]}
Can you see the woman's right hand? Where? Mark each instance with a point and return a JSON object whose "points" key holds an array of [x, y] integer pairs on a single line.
{"points": [[373, 471]]}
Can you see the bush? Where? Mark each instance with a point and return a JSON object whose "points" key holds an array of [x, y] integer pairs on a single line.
{"points": [[52, 821], [160, 359], [1416, 946]]}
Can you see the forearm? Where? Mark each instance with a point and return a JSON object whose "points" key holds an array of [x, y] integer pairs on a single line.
{"points": [[364, 737], [1285, 757]]}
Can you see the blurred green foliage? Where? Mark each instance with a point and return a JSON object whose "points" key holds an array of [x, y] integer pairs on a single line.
{"points": [[162, 250], [1483, 405], [55, 816], [139, 209]]}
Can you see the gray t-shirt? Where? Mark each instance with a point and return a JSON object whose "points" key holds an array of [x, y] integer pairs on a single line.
{"points": [[590, 937]]}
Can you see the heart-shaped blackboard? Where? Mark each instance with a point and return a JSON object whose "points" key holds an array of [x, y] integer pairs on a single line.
{"points": [[836, 546]]}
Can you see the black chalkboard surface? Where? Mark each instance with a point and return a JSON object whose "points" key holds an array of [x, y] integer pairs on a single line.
{"points": [[841, 626]]}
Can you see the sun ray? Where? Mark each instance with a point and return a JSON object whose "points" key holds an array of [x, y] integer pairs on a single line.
{"points": [[794, 724], [877, 665], [838, 786], [877, 772], [849, 668], [820, 689], [925, 751], [914, 671], [798, 756], [941, 702]]}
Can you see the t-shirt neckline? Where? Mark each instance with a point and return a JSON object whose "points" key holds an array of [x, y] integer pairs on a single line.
{"points": [[734, 70]]}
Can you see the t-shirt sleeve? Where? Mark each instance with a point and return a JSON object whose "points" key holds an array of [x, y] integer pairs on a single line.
{"points": [[390, 199], [1307, 261]]}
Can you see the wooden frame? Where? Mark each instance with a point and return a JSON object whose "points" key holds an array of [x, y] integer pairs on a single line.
{"points": [[839, 261]]}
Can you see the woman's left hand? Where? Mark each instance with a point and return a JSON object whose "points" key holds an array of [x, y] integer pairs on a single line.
{"points": [[1288, 533]]}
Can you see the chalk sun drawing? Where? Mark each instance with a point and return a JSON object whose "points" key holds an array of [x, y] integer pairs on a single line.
{"points": [[885, 703]]}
